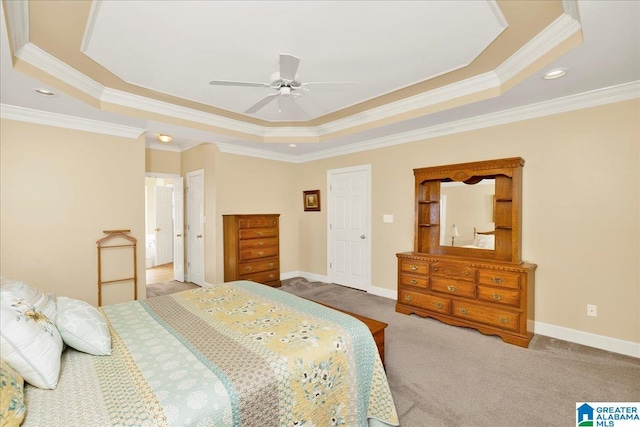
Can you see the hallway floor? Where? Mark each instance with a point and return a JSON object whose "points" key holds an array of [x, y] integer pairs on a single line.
{"points": [[160, 273]]}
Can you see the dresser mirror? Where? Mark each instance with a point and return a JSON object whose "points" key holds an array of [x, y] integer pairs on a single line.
{"points": [[467, 214], [470, 209]]}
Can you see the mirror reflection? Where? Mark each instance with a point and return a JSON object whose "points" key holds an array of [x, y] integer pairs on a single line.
{"points": [[466, 214]]}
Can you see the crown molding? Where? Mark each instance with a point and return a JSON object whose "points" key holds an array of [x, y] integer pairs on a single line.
{"points": [[51, 65], [254, 152], [589, 99], [18, 16], [29, 115]]}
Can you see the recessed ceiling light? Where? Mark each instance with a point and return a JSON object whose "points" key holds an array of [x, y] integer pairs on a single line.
{"points": [[44, 92], [165, 138], [293, 145], [554, 74]]}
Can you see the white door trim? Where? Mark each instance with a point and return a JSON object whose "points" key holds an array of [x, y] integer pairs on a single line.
{"points": [[330, 207]]}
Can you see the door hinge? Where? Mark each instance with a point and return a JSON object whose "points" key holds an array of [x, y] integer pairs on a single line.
{"points": [[330, 265]]}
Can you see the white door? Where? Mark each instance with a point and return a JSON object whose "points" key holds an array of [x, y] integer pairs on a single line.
{"points": [[164, 225], [195, 227], [178, 230], [349, 236]]}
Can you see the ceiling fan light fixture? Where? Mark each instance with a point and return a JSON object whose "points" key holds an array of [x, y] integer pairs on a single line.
{"points": [[165, 138], [293, 145], [554, 74]]}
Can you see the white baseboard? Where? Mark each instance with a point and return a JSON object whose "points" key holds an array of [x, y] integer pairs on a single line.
{"points": [[614, 345]]}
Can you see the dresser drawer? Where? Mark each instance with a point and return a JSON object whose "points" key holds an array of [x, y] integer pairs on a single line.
{"points": [[453, 287], [499, 278], [263, 277], [251, 267], [254, 233], [257, 243], [499, 295], [414, 267], [453, 270], [409, 280], [493, 317], [427, 302], [258, 253], [257, 221]]}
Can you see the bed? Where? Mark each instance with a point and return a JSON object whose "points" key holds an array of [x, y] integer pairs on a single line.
{"points": [[483, 240], [234, 354]]}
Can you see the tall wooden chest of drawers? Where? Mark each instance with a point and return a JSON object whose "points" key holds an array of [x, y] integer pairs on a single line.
{"points": [[252, 248], [493, 297]]}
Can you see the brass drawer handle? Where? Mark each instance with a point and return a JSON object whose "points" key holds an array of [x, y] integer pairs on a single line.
{"points": [[270, 264], [435, 269], [413, 267], [463, 311], [248, 268], [271, 276], [503, 320], [413, 281], [261, 243], [466, 273], [451, 288], [497, 280], [260, 233], [260, 253], [496, 297], [408, 298], [438, 305]]}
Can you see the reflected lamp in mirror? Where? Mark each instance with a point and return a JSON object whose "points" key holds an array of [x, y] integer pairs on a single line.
{"points": [[454, 234]]}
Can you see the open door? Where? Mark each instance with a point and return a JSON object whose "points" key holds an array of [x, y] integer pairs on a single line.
{"points": [[178, 229]]}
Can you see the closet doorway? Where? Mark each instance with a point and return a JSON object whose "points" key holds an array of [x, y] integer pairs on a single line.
{"points": [[164, 243]]}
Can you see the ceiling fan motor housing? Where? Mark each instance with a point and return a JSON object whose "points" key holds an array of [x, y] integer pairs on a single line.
{"points": [[278, 82]]}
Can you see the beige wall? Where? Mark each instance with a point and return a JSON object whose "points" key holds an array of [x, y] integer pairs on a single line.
{"points": [[161, 161], [581, 217], [60, 189]]}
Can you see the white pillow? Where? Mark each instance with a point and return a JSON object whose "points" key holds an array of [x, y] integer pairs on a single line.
{"points": [[30, 343], [30, 295], [83, 327]]}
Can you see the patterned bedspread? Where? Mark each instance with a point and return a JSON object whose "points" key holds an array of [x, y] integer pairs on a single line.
{"points": [[235, 354]]}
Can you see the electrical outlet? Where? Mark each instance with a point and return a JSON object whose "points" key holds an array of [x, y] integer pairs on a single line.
{"points": [[592, 310]]}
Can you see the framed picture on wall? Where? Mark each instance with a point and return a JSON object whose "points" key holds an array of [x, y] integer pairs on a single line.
{"points": [[311, 200]]}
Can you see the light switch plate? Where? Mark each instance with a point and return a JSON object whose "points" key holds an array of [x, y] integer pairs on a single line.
{"points": [[387, 218]]}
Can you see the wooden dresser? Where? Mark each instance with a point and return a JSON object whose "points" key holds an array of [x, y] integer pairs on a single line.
{"points": [[492, 297], [252, 248], [483, 286]]}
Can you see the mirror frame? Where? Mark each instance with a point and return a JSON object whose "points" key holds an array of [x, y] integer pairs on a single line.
{"points": [[508, 207]]}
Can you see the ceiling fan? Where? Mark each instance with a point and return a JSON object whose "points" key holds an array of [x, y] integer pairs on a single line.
{"points": [[286, 83]]}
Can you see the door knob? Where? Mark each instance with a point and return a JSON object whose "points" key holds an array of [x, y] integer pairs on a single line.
{"points": [[199, 236], [157, 229], [178, 235], [362, 237]]}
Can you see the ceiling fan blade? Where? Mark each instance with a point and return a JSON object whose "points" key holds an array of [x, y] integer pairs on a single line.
{"points": [[232, 83], [288, 66], [258, 105], [289, 104]]}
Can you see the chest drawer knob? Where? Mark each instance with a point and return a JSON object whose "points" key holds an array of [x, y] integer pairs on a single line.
{"points": [[503, 320], [408, 298], [435, 269], [413, 281], [463, 311], [270, 265], [261, 243], [466, 273], [413, 267], [248, 268], [451, 288], [271, 276], [438, 305], [260, 233], [496, 296], [260, 253], [497, 280]]}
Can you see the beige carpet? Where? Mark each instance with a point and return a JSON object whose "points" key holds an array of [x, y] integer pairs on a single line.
{"points": [[442, 375]]}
